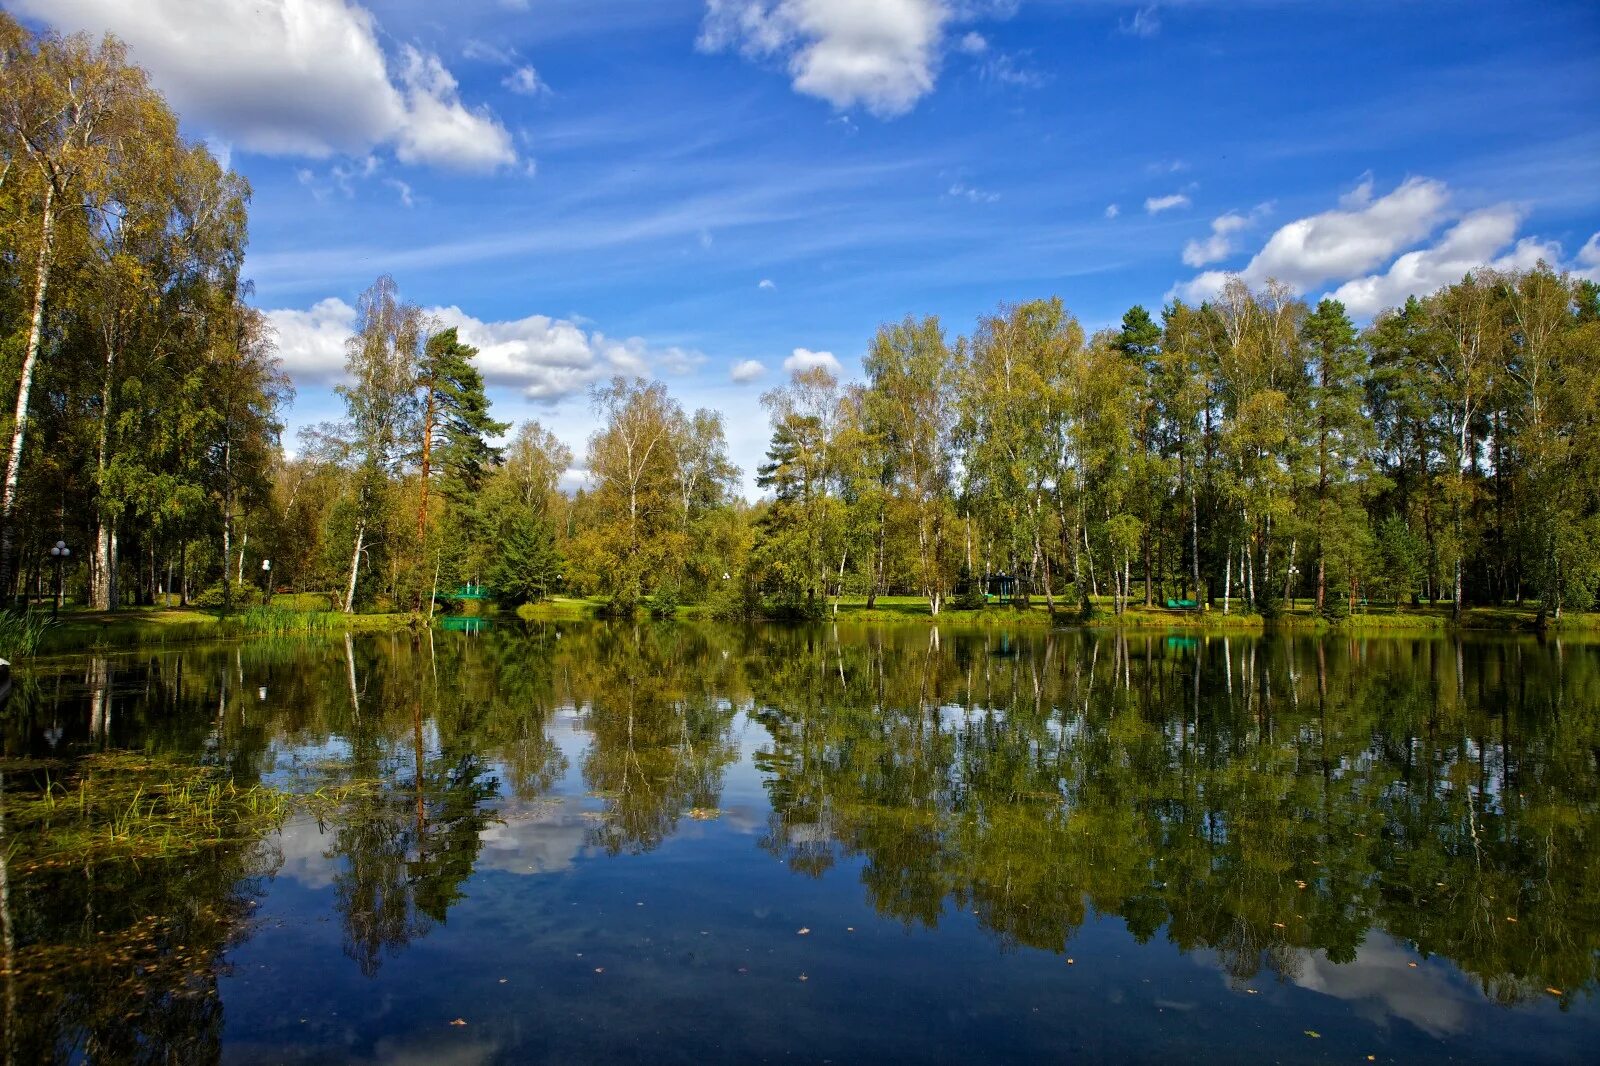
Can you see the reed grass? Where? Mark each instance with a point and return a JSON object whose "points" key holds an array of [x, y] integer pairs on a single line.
{"points": [[21, 633]]}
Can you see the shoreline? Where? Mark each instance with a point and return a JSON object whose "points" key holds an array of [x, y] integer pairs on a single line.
{"points": [[82, 632]]}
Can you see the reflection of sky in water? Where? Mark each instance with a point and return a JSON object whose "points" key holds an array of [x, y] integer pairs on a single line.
{"points": [[1383, 985], [684, 942]]}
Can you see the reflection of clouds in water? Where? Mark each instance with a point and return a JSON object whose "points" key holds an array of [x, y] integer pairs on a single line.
{"points": [[535, 838], [741, 818], [1383, 986], [305, 853]]}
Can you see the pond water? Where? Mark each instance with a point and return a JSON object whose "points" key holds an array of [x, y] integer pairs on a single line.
{"points": [[683, 843]]}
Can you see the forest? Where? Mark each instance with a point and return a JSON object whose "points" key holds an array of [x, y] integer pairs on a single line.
{"points": [[1235, 455]]}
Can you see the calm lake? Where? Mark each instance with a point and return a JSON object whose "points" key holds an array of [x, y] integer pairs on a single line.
{"points": [[684, 843]]}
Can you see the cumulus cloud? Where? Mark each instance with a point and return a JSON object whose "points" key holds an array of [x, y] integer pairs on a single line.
{"points": [[1375, 250], [1362, 233], [746, 371], [879, 54], [1220, 244], [293, 77], [805, 359], [973, 44], [1157, 204], [766, 284], [441, 130], [1472, 242], [543, 358], [525, 81], [311, 343], [1112, 210], [1589, 258]]}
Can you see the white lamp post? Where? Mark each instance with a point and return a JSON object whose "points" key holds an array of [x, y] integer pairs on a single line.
{"points": [[59, 553]]}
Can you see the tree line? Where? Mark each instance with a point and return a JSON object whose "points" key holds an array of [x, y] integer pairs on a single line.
{"points": [[145, 421], [1237, 454]]}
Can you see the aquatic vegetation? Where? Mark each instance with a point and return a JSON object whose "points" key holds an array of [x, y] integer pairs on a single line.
{"points": [[120, 805], [21, 633]]}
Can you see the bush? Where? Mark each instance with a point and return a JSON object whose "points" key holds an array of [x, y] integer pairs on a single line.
{"points": [[664, 604], [245, 595], [623, 606], [733, 603], [1336, 606]]}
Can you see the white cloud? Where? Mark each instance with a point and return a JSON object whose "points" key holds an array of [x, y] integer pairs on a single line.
{"points": [[766, 283], [1146, 22], [525, 80], [1157, 204], [402, 189], [311, 343], [973, 44], [1471, 243], [962, 191], [746, 370], [1220, 244], [542, 357], [879, 54], [1357, 236], [678, 362], [292, 77], [1589, 254], [1112, 210], [440, 129], [805, 359]]}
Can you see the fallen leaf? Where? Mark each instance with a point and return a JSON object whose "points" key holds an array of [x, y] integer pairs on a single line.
{"points": [[599, 969], [1554, 991], [803, 932], [1412, 965], [459, 1021], [803, 977], [1313, 1034]]}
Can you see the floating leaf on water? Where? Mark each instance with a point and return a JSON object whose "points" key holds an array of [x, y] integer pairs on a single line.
{"points": [[1313, 1034], [459, 1021], [599, 969], [1555, 991], [803, 932]]}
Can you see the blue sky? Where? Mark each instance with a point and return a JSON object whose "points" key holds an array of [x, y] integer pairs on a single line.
{"points": [[708, 190]]}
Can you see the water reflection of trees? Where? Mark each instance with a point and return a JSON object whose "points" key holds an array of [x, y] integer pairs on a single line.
{"points": [[1260, 799]]}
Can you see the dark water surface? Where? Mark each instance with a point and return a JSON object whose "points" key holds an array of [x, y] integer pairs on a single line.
{"points": [[689, 844]]}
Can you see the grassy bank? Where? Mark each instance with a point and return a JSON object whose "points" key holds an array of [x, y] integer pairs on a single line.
{"points": [[77, 631]]}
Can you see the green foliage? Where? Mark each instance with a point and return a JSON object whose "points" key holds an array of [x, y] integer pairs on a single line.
{"points": [[21, 633], [525, 564]]}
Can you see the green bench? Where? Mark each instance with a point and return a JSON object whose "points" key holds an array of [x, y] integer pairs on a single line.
{"points": [[1183, 605]]}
